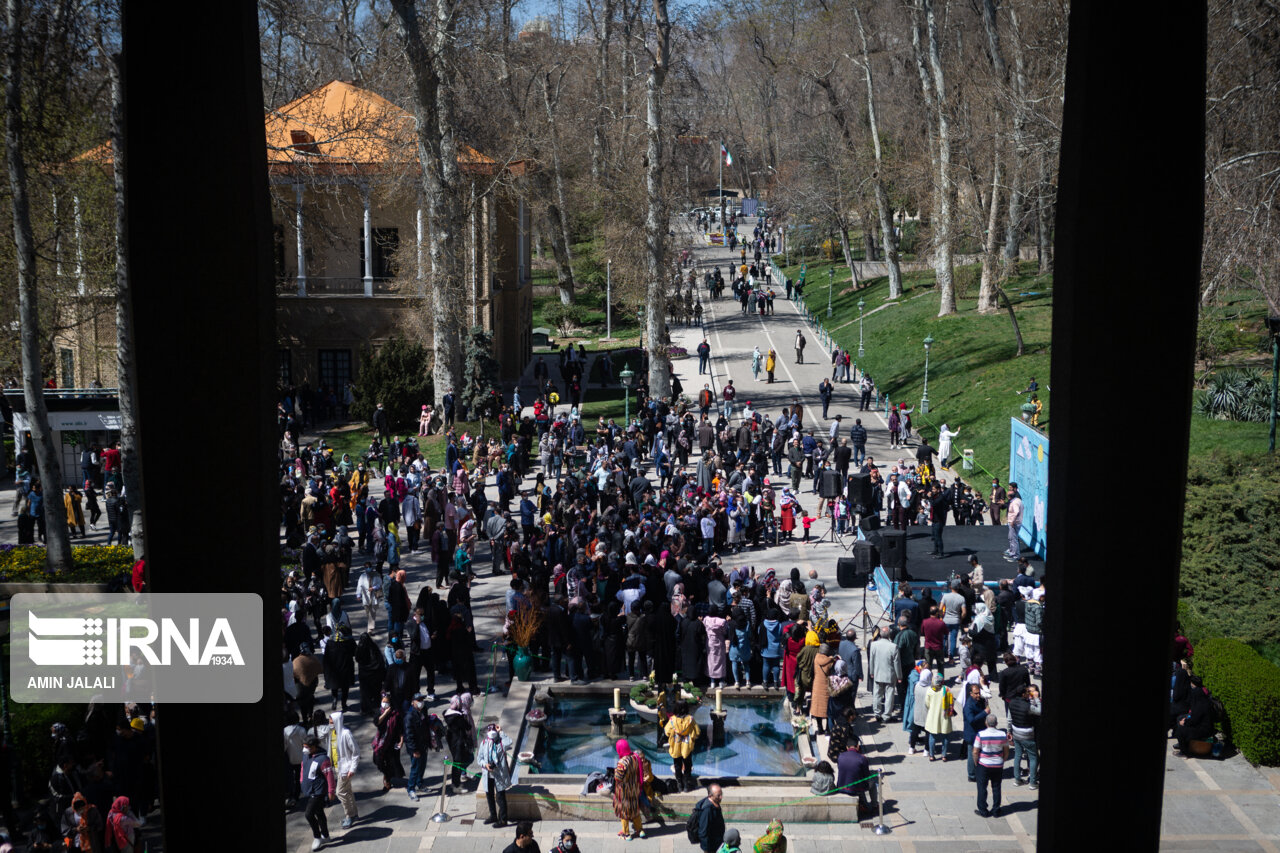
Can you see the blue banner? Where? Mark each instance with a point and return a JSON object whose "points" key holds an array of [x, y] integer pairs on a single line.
{"points": [[1029, 468]]}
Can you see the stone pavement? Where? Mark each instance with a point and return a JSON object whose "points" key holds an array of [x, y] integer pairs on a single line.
{"points": [[1219, 805]]}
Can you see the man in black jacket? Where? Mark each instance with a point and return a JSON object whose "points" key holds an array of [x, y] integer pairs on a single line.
{"points": [[710, 820], [940, 503], [416, 743], [858, 436], [380, 425]]}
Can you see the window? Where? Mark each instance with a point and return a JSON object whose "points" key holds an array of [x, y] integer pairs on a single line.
{"points": [[335, 368], [284, 369], [386, 242], [68, 359], [277, 246]]}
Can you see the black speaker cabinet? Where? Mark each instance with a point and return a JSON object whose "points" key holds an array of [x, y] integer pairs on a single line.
{"points": [[866, 556], [860, 490], [869, 523], [893, 549], [829, 485], [847, 571]]}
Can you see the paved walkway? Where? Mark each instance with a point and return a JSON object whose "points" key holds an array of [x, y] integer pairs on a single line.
{"points": [[1219, 805]]}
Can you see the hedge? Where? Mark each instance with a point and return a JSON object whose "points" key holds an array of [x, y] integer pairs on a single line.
{"points": [[1195, 626], [1249, 687], [92, 564]]}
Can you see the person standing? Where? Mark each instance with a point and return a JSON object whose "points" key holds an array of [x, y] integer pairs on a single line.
{"points": [[756, 361], [824, 393], [770, 363], [729, 392], [883, 662], [934, 632], [954, 611], [628, 791], [415, 743], [1015, 522], [450, 407], [460, 734], [895, 428], [866, 389], [704, 356], [939, 709], [381, 426], [992, 748], [318, 786], [998, 498], [496, 778], [345, 755], [944, 445], [939, 506], [369, 591], [858, 437], [800, 342]]}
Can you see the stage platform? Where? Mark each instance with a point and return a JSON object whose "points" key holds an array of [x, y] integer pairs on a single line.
{"points": [[959, 543]]}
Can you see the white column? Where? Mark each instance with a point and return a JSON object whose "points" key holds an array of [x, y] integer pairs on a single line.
{"points": [[368, 243], [418, 245], [302, 250], [80, 281]]}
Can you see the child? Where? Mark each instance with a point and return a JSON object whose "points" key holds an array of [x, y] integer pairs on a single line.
{"points": [[807, 520]]}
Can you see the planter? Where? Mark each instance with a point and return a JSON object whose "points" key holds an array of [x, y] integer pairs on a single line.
{"points": [[522, 661], [649, 715]]}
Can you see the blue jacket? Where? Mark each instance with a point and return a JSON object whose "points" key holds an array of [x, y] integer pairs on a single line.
{"points": [[527, 509], [771, 635], [975, 719]]}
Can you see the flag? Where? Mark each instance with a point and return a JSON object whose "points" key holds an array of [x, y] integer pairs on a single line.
{"points": [[724, 152]]}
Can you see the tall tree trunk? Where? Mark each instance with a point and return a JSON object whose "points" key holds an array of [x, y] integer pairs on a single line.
{"points": [[987, 303], [1044, 217], [58, 539], [431, 70], [656, 218], [1017, 174], [842, 229], [599, 138], [561, 212], [887, 235], [868, 235], [942, 219], [126, 368]]}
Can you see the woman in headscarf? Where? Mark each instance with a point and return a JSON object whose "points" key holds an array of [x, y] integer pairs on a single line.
{"points": [[75, 512], [805, 668], [121, 824], [717, 664], [373, 670], [336, 615], [461, 736], [756, 358], [339, 665], [496, 778], [823, 664], [82, 823], [740, 646], [790, 657], [628, 790], [386, 749], [939, 708], [773, 841], [682, 733], [914, 720]]}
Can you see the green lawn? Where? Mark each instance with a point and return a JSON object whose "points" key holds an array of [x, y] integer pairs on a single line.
{"points": [[1210, 435], [626, 324], [973, 374]]}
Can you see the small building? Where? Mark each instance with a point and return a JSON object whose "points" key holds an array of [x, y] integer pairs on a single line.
{"points": [[78, 417], [351, 247]]}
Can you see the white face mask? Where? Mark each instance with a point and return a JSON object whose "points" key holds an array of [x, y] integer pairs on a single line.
{"points": [[306, 750]]}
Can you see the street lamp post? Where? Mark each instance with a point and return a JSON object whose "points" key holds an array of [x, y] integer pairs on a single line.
{"points": [[830, 280], [924, 401], [861, 304], [626, 375]]}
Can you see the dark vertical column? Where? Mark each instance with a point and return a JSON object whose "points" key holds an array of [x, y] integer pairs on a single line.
{"points": [[200, 246], [1130, 217]]}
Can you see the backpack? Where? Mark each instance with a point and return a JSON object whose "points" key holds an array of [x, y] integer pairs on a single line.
{"points": [[1034, 617], [691, 824]]}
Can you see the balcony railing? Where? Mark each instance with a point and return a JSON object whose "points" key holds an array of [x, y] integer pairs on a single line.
{"points": [[336, 286]]}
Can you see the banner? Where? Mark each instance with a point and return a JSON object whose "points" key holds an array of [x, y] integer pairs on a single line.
{"points": [[1029, 468]]}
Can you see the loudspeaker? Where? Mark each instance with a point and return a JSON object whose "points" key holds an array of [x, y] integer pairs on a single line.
{"points": [[893, 549], [847, 571], [869, 523], [866, 556], [829, 485], [860, 490]]}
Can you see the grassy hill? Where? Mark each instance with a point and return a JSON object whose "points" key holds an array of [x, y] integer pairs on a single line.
{"points": [[974, 375]]}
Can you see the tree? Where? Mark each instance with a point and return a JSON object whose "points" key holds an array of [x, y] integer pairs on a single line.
{"points": [[481, 374], [58, 551], [933, 81], [429, 49], [396, 376], [655, 225]]}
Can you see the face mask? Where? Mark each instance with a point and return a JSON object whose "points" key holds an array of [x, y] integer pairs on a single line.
{"points": [[386, 705], [569, 844], [306, 750]]}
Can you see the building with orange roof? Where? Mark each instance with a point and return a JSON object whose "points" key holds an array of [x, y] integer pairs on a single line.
{"points": [[351, 249]]}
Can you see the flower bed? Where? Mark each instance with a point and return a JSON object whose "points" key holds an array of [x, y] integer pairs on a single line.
{"points": [[92, 564], [677, 353]]}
